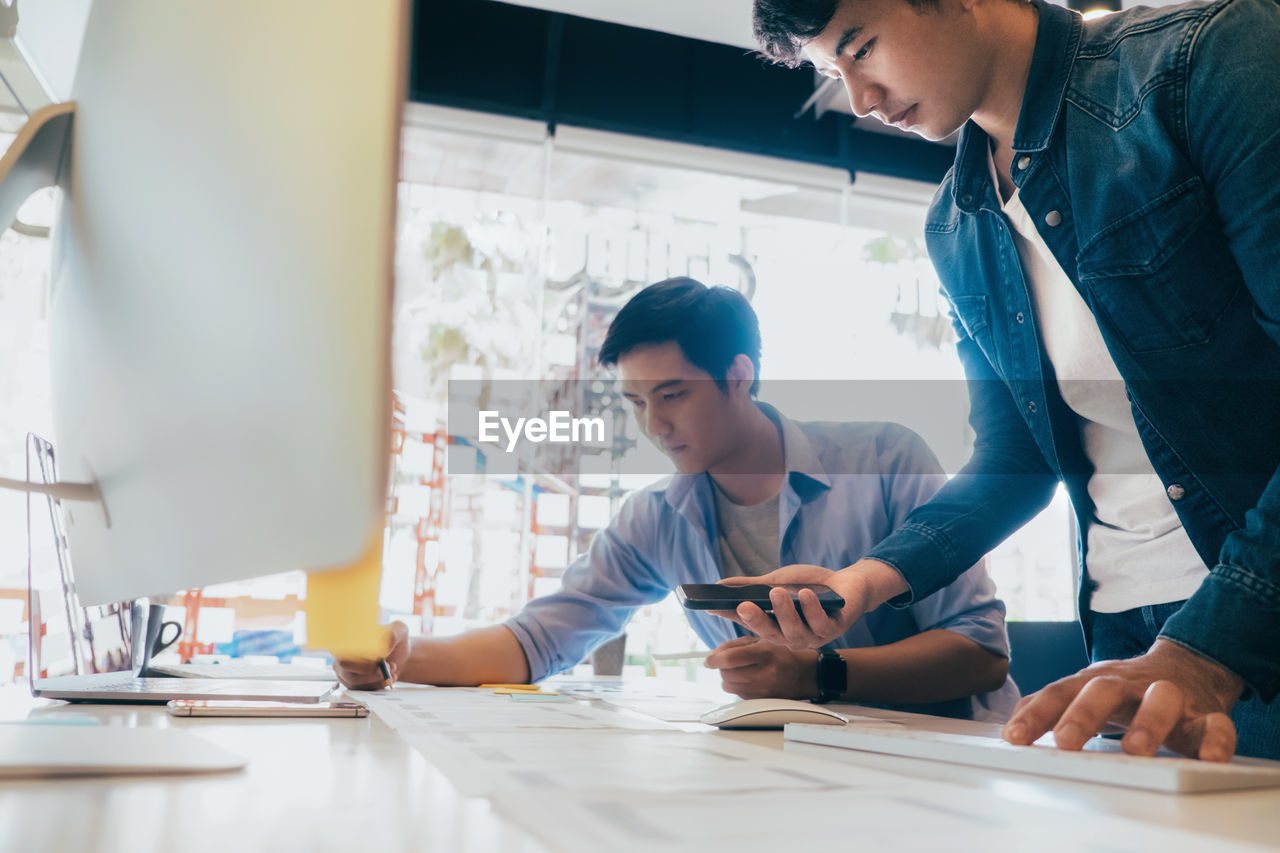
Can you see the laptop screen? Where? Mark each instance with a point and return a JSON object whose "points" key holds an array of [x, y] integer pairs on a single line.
{"points": [[65, 638]]}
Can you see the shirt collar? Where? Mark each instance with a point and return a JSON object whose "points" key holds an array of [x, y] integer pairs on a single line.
{"points": [[804, 472], [1057, 39]]}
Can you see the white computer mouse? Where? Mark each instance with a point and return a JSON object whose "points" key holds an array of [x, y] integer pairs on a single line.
{"points": [[771, 714]]}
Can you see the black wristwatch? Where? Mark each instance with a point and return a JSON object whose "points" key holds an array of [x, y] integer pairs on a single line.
{"points": [[833, 676]]}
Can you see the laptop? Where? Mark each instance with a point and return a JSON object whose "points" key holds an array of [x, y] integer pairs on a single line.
{"points": [[103, 653]]}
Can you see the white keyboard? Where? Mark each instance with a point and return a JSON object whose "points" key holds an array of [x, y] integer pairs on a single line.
{"points": [[1101, 762]]}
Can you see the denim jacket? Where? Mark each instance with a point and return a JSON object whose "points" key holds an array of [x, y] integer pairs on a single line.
{"points": [[1147, 152]]}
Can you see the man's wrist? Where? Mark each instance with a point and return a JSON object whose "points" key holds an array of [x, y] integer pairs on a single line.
{"points": [[873, 581], [807, 673], [1204, 672]]}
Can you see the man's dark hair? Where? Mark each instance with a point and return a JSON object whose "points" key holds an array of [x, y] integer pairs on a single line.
{"points": [[783, 27], [711, 325]]}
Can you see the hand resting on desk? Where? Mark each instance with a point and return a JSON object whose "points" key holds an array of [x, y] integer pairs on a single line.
{"points": [[1169, 695], [367, 674], [479, 656], [754, 669]]}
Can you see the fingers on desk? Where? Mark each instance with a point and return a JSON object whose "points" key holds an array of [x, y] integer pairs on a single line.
{"points": [[1211, 737], [360, 675], [1068, 707], [1078, 707]]}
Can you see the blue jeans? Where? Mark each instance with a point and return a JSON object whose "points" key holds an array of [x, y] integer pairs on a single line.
{"points": [[1124, 635]]}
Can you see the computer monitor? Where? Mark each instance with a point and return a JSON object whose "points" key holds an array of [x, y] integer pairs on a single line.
{"points": [[221, 290]]}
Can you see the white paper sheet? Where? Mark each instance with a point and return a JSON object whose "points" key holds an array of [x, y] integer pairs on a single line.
{"points": [[586, 778], [672, 701], [480, 763], [926, 816], [473, 709]]}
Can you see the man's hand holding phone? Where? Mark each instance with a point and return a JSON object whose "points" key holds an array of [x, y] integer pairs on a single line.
{"points": [[864, 586], [722, 597]]}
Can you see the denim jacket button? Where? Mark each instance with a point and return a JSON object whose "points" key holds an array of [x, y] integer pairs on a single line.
{"points": [[1053, 219], [1176, 492], [966, 199], [1019, 318], [1031, 407], [1024, 161]]}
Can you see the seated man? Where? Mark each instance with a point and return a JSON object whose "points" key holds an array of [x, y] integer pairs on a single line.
{"points": [[753, 491]]}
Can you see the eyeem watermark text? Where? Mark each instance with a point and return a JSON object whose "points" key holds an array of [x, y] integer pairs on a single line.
{"points": [[558, 428]]}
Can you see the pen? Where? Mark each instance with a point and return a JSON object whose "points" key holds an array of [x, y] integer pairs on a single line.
{"points": [[386, 672]]}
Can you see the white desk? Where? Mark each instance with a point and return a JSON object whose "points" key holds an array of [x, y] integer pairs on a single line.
{"points": [[353, 784], [311, 785], [1249, 816]]}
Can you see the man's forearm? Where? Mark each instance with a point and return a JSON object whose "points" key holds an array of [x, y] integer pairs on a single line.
{"points": [[970, 515], [934, 666], [1005, 483], [486, 655]]}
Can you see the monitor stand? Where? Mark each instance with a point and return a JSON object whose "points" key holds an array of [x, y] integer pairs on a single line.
{"points": [[39, 157]]}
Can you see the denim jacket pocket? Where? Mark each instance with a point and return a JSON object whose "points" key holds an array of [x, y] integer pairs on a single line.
{"points": [[1163, 274], [974, 317]]}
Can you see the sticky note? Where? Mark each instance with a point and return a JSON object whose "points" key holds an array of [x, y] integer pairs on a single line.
{"points": [[525, 687], [342, 607], [540, 697]]}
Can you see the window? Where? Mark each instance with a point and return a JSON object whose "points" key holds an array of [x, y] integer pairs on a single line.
{"points": [[512, 252], [852, 323]]}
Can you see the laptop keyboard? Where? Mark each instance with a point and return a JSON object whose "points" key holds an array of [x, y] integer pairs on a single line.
{"points": [[147, 685], [274, 672]]}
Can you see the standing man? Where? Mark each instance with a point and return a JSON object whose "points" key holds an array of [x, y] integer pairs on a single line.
{"points": [[1109, 241], [753, 491]]}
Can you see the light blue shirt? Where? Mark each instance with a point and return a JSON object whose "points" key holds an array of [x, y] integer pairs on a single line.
{"points": [[847, 486]]}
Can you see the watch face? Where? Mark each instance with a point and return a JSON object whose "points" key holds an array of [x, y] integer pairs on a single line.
{"points": [[833, 677]]}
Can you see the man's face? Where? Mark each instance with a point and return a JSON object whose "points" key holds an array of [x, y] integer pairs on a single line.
{"points": [[921, 71], [679, 407]]}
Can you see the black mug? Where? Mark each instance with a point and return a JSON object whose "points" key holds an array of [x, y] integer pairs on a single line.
{"points": [[157, 641]]}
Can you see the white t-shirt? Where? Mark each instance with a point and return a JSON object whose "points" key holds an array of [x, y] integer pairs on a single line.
{"points": [[749, 535], [1138, 552]]}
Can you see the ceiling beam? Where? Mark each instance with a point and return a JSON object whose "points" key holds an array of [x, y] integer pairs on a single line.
{"points": [[561, 69]]}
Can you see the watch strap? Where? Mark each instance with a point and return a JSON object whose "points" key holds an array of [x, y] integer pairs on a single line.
{"points": [[833, 675]]}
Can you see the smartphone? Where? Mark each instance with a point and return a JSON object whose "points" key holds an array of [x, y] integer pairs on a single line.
{"points": [[232, 708], [716, 596]]}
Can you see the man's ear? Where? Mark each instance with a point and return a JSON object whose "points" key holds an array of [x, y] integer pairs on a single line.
{"points": [[741, 372]]}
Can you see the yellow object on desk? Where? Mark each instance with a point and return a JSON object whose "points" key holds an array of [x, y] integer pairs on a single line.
{"points": [[342, 608], [508, 691], [527, 688]]}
